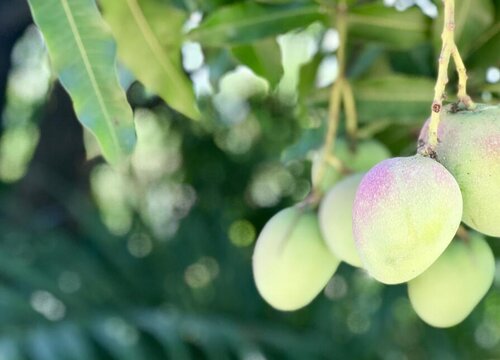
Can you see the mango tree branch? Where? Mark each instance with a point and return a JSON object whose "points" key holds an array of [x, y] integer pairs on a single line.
{"points": [[336, 93], [449, 49], [448, 46], [350, 111]]}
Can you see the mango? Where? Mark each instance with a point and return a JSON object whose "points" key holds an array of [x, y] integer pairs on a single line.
{"points": [[291, 262], [469, 147], [446, 293], [366, 155], [406, 212], [335, 219]]}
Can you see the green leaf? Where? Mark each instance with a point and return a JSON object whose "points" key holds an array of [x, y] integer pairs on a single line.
{"points": [[398, 98], [484, 52], [263, 57], [394, 97], [369, 55], [246, 22], [385, 25], [309, 140], [307, 77], [83, 54], [494, 88], [274, 2], [472, 19], [9, 349], [149, 34]]}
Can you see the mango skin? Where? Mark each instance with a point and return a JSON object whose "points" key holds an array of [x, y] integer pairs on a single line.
{"points": [[469, 148], [368, 153], [335, 219], [446, 293], [291, 262], [406, 212]]}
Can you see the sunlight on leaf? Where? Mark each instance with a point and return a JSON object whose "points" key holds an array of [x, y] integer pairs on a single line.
{"points": [[83, 55], [149, 45]]}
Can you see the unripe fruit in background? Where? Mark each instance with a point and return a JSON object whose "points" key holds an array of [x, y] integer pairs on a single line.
{"points": [[368, 153], [447, 292], [291, 262], [406, 212], [335, 218], [469, 147]]}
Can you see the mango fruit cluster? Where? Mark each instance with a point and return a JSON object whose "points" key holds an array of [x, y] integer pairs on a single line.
{"points": [[396, 218]]}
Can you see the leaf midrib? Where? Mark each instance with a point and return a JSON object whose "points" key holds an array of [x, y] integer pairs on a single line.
{"points": [[462, 18], [256, 21], [151, 39], [384, 22], [88, 68], [487, 36], [374, 96]]}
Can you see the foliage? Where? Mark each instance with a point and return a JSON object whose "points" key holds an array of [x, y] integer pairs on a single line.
{"points": [[151, 259]]}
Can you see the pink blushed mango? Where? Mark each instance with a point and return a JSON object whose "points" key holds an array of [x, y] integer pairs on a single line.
{"points": [[469, 147], [406, 212]]}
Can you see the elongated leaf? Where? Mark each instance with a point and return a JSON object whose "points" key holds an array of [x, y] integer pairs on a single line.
{"points": [[485, 49], [148, 33], [395, 29], [246, 22], [398, 98], [472, 19], [263, 57], [9, 349], [494, 88], [309, 140], [395, 97], [83, 55], [364, 61], [307, 76]]}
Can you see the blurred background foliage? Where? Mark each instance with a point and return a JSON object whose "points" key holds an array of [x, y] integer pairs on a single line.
{"points": [[154, 261]]}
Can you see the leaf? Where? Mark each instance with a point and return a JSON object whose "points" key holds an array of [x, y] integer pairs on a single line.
{"points": [[274, 2], [395, 97], [365, 60], [9, 349], [419, 61], [307, 76], [74, 342], [309, 140], [485, 49], [494, 88], [148, 33], [83, 55], [381, 24], [41, 345], [263, 57], [246, 22], [472, 19], [398, 98]]}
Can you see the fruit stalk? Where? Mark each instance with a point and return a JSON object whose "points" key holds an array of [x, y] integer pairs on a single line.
{"points": [[449, 49], [462, 80], [350, 112], [448, 44]]}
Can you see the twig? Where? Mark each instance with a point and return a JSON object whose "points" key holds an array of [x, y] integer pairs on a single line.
{"points": [[449, 49], [442, 79], [350, 112], [335, 95], [462, 80]]}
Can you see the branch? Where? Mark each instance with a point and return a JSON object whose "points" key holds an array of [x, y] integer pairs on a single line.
{"points": [[335, 95], [449, 49]]}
